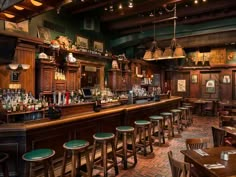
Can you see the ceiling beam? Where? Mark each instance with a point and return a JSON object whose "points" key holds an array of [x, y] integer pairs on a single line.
{"points": [[93, 6], [190, 11], [137, 9]]}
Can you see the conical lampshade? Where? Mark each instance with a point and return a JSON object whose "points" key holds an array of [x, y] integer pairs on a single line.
{"points": [[157, 53], [148, 56], [167, 53], [179, 52]]}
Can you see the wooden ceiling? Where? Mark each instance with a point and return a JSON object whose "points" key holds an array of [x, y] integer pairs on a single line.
{"points": [[127, 20], [133, 20]]}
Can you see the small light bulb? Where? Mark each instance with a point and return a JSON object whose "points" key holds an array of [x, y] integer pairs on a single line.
{"points": [[196, 1], [120, 6]]}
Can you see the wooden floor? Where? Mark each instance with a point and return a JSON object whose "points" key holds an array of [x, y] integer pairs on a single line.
{"points": [[157, 164]]}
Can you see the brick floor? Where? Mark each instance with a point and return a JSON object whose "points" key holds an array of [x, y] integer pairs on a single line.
{"points": [[157, 164]]}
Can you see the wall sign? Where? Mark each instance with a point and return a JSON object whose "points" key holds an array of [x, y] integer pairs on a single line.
{"points": [[210, 86], [181, 85]]}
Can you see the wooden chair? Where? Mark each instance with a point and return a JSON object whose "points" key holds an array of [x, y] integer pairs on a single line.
{"points": [[218, 136], [178, 169], [196, 143], [227, 121]]}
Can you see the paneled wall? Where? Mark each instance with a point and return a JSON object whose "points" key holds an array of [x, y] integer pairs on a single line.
{"points": [[24, 54], [197, 80]]}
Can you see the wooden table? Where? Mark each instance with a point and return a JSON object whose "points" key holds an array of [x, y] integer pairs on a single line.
{"points": [[214, 157], [200, 106]]}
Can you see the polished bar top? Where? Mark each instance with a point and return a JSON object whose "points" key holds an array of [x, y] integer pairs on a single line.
{"points": [[67, 119]]}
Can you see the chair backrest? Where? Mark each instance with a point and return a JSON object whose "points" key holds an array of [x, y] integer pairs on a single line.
{"points": [[227, 121], [218, 136], [196, 143], [178, 169]]}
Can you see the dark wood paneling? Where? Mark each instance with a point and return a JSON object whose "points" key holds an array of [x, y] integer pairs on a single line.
{"points": [[24, 54]]}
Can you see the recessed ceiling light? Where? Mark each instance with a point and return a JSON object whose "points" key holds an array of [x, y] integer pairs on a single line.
{"points": [[9, 15], [18, 7], [120, 6], [36, 3], [151, 14], [131, 4]]}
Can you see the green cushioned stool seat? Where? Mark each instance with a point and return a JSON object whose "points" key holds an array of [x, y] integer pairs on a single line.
{"points": [[126, 135], [142, 122], [182, 108], [103, 136], [175, 110], [125, 128], [77, 148], [43, 156], [75, 144], [188, 106], [38, 154], [156, 117], [104, 162], [166, 114]]}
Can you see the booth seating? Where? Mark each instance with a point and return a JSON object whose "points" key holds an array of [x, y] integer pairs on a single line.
{"points": [[141, 128], [3, 162], [43, 156], [168, 122], [104, 163], [124, 152], [76, 147], [157, 128]]}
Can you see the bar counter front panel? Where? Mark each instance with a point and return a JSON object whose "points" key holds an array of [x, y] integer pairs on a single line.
{"points": [[18, 138]]}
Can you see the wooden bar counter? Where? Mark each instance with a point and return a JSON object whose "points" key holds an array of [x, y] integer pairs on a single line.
{"points": [[17, 138]]}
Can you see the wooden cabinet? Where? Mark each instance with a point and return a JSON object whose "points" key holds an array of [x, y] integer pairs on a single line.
{"points": [[71, 72], [45, 72], [127, 79], [115, 80]]}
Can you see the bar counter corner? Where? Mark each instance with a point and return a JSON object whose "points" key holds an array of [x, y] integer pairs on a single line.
{"points": [[18, 138]]}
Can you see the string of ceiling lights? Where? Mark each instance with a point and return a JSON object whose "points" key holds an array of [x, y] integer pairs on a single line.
{"points": [[129, 4]]}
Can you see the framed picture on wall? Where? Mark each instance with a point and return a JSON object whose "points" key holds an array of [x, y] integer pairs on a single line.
{"points": [[17, 27], [194, 78], [181, 85], [226, 79], [210, 86], [98, 46], [44, 33], [82, 42]]}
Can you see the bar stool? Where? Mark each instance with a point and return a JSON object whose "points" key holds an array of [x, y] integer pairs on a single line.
{"points": [[157, 122], [103, 139], [189, 113], [124, 152], [43, 156], [184, 119], [168, 119], [176, 118], [3, 161], [141, 126], [76, 147]]}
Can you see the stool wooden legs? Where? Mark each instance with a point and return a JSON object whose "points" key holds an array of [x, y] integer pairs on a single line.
{"points": [[124, 154], [143, 143], [104, 159], [76, 159]]}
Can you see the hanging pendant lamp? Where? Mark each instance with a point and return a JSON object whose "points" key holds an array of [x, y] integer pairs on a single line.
{"points": [[154, 52], [175, 50]]}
